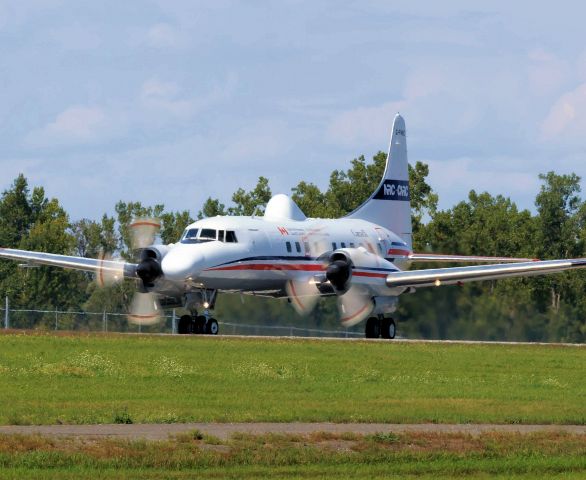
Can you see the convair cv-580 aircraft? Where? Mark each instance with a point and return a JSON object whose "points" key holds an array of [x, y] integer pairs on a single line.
{"points": [[361, 258]]}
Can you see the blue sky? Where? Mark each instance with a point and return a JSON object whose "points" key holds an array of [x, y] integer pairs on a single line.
{"points": [[174, 101]]}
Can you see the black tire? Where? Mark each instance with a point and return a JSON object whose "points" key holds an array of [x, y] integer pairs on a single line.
{"points": [[388, 328], [212, 327], [372, 329], [184, 325], [198, 324]]}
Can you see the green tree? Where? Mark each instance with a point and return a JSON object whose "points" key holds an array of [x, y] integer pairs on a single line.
{"points": [[252, 202], [212, 208]]}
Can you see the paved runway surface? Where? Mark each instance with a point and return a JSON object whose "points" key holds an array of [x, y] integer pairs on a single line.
{"points": [[225, 430]]}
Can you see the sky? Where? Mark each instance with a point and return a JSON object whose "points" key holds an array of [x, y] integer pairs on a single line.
{"points": [[176, 101]]}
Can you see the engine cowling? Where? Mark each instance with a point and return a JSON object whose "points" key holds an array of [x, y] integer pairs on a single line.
{"points": [[339, 272]]}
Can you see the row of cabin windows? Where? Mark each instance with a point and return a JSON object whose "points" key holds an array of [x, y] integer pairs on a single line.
{"points": [[368, 246], [194, 235]]}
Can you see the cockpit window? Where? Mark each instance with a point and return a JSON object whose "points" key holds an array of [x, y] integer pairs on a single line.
{"points": [[190, 235], [207, 234]]}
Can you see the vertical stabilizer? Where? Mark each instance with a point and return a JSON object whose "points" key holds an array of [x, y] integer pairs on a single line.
{"points": [[390, 206]]}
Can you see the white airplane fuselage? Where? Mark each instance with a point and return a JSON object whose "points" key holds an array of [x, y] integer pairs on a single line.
{"points": [[267, 252]]}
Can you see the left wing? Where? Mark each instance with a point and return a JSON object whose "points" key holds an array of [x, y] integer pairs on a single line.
{"points": [[436, 277], [66, 261]]}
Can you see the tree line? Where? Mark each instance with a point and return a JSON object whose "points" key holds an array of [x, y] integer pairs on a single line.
{"points": [[549, 308]]}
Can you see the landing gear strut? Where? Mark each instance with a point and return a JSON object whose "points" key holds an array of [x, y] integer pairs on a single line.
{"points": [[380, 327]]}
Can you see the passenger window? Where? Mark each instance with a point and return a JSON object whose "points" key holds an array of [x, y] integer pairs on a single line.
{"points": [[343, 244], [288, 244], [231, 237], [207, 234], [298, 247], [352, 245], [380, 249], [306, 246], [334, 246], [221, 235]]}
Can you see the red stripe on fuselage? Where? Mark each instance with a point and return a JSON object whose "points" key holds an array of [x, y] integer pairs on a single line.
{"points": [[271, 266], [290, 267]]}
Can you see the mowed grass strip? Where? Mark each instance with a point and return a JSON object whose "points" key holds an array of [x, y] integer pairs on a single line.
{"points": [[94, 378], [291, 456]]}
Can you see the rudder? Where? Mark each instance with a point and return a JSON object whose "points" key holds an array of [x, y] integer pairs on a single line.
{"points": [[389, 206]]}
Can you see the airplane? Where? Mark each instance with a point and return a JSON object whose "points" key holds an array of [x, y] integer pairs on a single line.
{"points": [[362, 259]]}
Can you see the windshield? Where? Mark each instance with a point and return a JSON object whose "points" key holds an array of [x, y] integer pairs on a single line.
{"points": [[190, 235], [195, 235]]}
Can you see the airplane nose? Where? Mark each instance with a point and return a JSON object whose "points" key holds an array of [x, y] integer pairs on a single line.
{"points": [[180, 263]]}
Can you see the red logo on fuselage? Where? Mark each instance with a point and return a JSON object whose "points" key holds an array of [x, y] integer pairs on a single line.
{"points": [[283, 230]]}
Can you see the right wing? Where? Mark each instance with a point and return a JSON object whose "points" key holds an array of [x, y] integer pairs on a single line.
{"points": [[66, 261], [435, 257], [436, 277]]}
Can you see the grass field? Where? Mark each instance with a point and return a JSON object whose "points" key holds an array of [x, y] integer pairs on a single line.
{"points": [[48, 379], [287, 456]]}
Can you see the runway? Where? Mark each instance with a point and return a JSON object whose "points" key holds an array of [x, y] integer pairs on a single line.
{"points": [[379, 340], [225, 430]]}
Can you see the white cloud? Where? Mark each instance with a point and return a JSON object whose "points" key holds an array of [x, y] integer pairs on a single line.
{"points": [[77, 124], [566, 119]]}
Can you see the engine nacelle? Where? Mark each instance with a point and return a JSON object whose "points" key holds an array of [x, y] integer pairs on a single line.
{"points": [[154, 251]]}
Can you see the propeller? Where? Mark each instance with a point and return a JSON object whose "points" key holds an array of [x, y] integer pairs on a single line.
{"points": [[144, 308], [354, 301]]}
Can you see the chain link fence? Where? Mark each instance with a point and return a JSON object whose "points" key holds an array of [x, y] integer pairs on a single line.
{"points": [[116, 322]]}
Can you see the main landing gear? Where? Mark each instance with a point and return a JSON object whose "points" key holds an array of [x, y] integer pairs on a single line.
{"points": [[384, 327], [197, 324]]}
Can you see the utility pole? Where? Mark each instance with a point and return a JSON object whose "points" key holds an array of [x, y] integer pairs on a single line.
{"points": [[174, 323]]}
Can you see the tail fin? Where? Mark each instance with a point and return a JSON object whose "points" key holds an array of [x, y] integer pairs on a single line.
{"points": [[389, 206]]}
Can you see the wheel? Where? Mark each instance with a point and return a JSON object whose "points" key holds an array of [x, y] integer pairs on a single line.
{"points": [[212, 327], [388, 328], [198, 324], [184, 325], [372, 329]]}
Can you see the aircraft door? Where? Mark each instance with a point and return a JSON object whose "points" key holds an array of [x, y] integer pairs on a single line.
{"points": [[259, 241], [383, 241]]}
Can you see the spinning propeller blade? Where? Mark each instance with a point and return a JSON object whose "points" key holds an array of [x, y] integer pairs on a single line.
{"points": [[303, 293], [145, 309], [143, 232], [109, 271], [355, 305]]}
